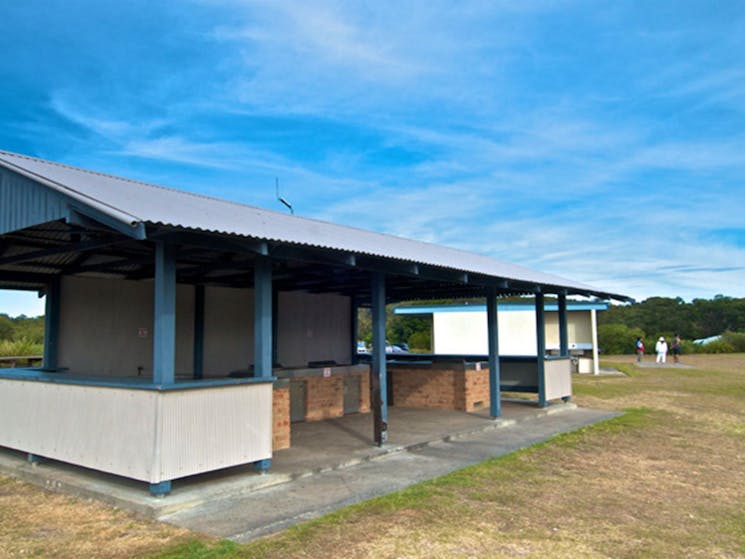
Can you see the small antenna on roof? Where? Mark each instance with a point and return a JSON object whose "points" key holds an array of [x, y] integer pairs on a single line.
{"points": [[285, 202]]}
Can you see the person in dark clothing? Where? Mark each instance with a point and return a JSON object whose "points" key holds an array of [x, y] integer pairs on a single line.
{"points": [[675, 348]]}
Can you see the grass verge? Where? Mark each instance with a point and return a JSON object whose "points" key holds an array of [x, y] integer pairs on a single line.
{"points": [[662, 480]]}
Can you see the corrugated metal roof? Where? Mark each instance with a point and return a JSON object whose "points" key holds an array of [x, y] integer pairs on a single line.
{"points": [[132, 202]]}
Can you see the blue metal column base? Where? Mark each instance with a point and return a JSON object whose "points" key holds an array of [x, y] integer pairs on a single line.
{"points": [[160, 489], [33, 458], [262, 466]]}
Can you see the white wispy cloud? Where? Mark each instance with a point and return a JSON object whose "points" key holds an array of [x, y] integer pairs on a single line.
{"points": [[596, 144]]}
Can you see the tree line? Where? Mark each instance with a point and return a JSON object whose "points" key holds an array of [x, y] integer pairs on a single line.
{"points": [[21, 335], [656, 317], [618, 327]]}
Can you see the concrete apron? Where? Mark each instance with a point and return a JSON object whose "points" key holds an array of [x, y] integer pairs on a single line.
{"points": [[331, 464]]}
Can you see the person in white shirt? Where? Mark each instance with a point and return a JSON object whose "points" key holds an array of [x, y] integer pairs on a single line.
{"points": [[661, 349]]}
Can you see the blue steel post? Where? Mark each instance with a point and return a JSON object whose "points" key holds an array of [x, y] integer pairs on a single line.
{"points": [[275, 325], [495, 404], [199, 331], [563, 334], [354, 308], [51, 323], [164, 322], [379, 391], [262, 317], [540, 331]]}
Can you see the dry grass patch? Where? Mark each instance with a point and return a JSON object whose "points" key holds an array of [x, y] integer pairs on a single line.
{"points": [[664, 480], [38, 523]]}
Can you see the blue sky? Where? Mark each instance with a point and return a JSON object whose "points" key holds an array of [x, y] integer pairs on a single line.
{"points": [[602, 141]]}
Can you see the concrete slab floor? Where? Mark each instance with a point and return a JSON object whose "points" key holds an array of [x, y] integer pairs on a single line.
{"points": [[332, 464], [652, 364]]}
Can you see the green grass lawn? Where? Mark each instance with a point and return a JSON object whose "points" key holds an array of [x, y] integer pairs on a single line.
{"points": [[666, 479]]}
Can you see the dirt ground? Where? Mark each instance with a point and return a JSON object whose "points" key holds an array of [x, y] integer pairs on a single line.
{"points": [[665, 480]]}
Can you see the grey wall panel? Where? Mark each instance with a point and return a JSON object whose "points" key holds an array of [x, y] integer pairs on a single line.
{"points": [[106, 327], [228, 330], [24, 203], [185, 330], [313, 328]]}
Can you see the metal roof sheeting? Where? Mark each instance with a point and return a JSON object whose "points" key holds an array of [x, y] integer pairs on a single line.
{"points": [[133, 202]]}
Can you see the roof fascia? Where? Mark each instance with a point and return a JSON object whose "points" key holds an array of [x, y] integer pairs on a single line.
{"points": [[502, 306], [108, 215], [211, 241], [88, 217]]}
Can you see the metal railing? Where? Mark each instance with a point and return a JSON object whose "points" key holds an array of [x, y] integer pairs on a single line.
{"points": [[27, 360]]}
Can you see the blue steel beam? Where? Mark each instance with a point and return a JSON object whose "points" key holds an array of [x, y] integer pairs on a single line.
{"points": [[51, 323], [164, 322], [379, 381], [262, 317], [540, 331], [495, 403]]}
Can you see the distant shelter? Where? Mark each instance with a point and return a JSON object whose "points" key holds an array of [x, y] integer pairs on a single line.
{"points": [[460, 329]]}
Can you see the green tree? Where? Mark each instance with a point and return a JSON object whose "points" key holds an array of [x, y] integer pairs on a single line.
{"points": [[615, 339], [6, 327]]}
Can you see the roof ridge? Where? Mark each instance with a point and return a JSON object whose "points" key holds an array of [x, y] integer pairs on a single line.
{"points": [[231, 202], [115, 177]]}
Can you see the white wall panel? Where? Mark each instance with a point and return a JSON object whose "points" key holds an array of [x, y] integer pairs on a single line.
{"points": [[206, 430], [558, 378], [466, 333], [461, 332], [146, 435], [106, 429]]}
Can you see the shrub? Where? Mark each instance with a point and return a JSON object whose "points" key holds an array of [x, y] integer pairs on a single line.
{"points": [[717, 346], [421, 341], [687, 346], [615, 339], [20, 348], [736, 340]]}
